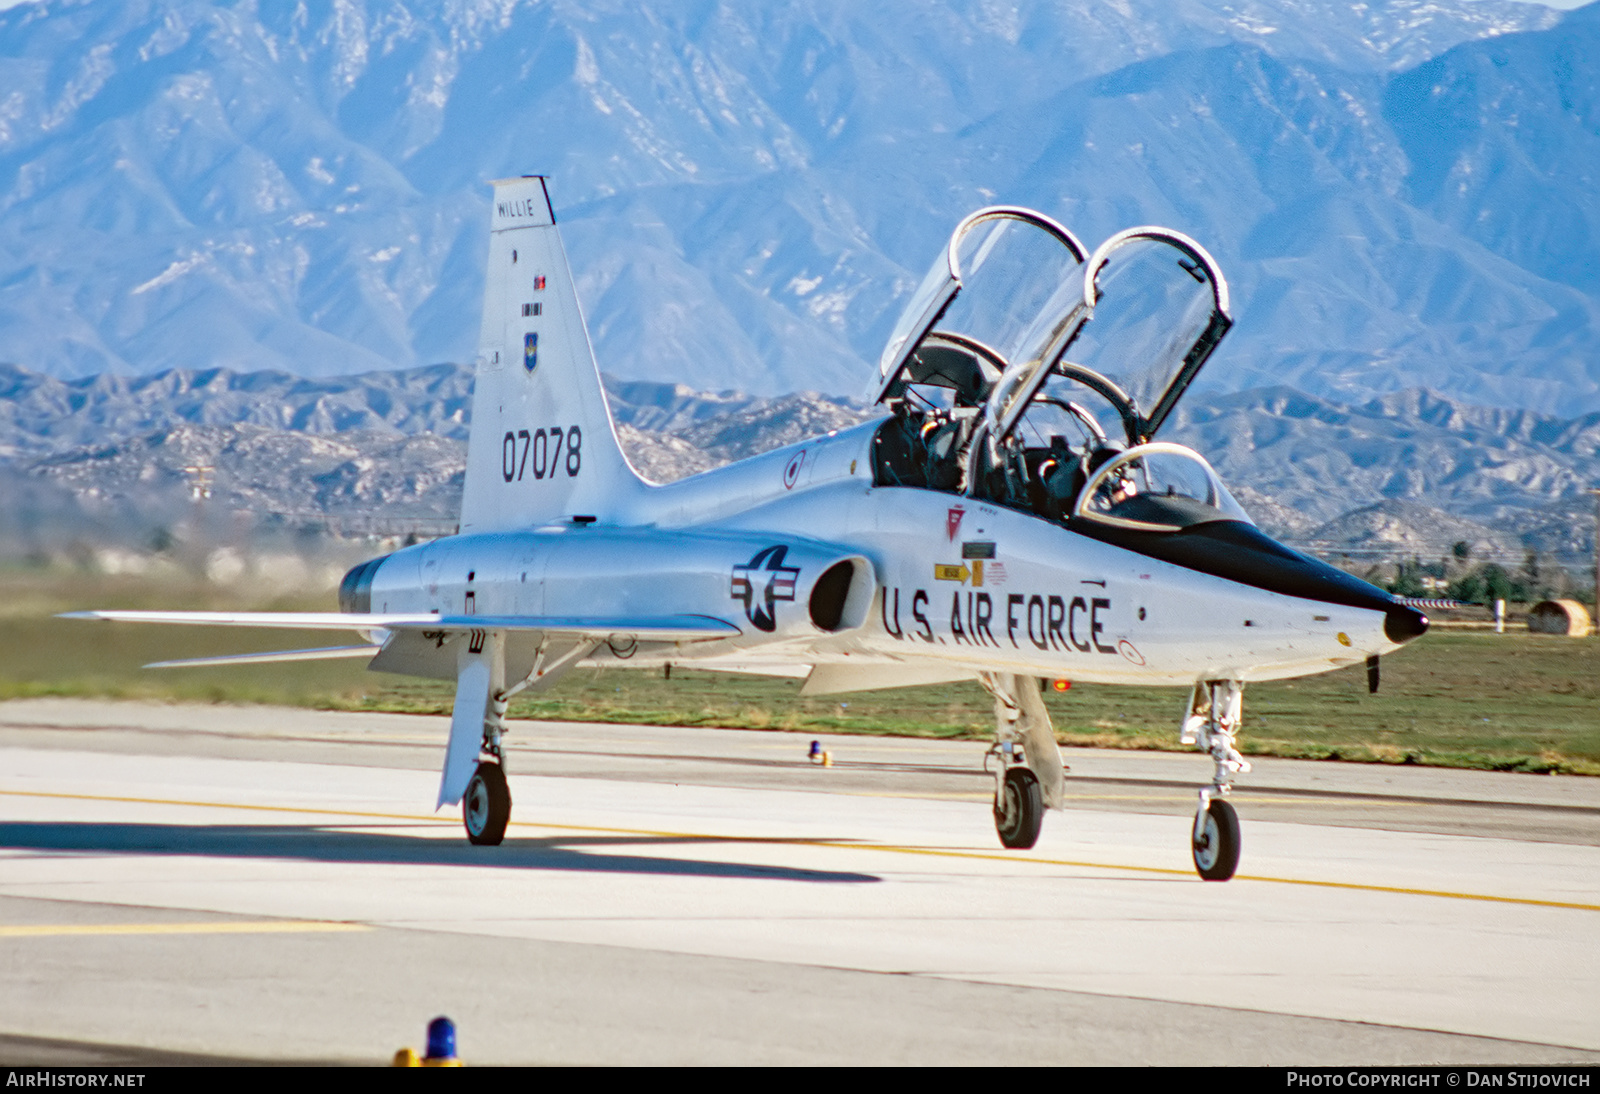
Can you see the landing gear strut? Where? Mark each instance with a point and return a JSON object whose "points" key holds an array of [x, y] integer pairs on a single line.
{"points": [[1029, 776], [1215, 707], [481, 702]]}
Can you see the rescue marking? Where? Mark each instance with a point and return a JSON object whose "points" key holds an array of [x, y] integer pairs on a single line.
{"points": [[952, 522]]}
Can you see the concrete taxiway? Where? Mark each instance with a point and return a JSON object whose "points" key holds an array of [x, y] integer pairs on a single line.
{"points": [[212, 883]]}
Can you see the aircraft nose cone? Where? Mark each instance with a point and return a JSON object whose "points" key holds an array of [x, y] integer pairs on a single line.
{"points": [[1403, 623]]}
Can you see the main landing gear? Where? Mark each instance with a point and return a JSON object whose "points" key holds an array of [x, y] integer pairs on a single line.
{"points": [[486, 806], [1214, 711], [1029, 776], [1018, 806]]}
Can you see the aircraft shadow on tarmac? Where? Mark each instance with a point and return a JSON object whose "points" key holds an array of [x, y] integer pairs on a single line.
{"points": [[317, 844]]}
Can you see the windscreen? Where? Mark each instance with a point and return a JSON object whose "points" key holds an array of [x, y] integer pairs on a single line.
{"points": [[1158, 487]]}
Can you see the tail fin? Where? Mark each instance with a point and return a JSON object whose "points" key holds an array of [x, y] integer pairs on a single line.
{"points": [[543, 446]]}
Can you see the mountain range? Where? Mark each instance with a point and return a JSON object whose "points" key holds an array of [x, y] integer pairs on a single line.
{"points": [[1403, 192], [127, 459]]}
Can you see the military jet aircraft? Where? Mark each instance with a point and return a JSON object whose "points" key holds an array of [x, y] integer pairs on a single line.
{"points": [[1010, 516]]}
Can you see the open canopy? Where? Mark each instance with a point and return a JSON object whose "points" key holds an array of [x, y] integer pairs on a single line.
{"points": [[1015, 319], [1005, 273], [1021, 366], [1160, 307]]}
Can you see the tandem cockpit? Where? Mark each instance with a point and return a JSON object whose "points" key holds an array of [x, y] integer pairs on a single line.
{"points": [[1028, 372]]}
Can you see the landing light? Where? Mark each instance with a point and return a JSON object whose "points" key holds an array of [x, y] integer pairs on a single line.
{"points": [[1061, 685]]}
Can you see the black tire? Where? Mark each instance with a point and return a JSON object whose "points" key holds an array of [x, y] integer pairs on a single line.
{"points": [[1216, 851], [486, 806], [1019, 812]]}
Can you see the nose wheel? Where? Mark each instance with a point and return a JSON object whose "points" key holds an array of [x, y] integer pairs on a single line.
{"points": [[486, 807], [1215, 711], [1216, 841]]}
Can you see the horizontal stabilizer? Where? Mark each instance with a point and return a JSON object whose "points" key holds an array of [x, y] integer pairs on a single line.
{"points": [[271, 657], [670, 628]]}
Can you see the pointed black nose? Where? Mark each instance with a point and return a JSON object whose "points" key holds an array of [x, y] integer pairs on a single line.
{"points": [[1402, 623]]}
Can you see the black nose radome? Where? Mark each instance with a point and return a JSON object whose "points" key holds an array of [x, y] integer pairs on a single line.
{"points": [[1403, 623]]}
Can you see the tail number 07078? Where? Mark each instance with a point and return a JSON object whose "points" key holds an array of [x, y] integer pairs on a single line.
{"points": [[544, 452]]}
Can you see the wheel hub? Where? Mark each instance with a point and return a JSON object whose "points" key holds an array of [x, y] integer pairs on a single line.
{"points": [[477, 805], [1205, 846]]}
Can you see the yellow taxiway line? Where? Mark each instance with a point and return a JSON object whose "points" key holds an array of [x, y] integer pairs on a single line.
{"points": [[270, 926], [888, 848]]}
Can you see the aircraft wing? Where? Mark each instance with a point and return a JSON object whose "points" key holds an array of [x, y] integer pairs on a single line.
{"points": [[669, 628], [271, 657]]}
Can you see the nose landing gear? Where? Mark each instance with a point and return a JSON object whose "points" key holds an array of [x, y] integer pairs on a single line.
{"points": [[1215, 707]]}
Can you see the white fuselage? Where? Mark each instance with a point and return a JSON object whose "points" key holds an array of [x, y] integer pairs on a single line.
{"points": [[939, 579]]}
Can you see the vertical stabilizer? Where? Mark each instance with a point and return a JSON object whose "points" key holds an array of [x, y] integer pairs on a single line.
{"points": [[543, 447]]}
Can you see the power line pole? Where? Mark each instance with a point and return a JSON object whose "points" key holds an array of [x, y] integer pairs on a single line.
{"points": [[1596, 492]]}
